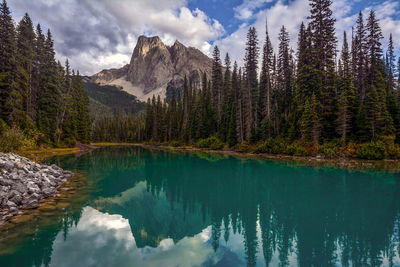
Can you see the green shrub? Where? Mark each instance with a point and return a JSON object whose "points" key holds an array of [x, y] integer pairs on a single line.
{"points": [[330, 149], [3, 126], [392, 149], [297, 149], [211, 142], [273, 146], [243, 147], [372, 150], [174, 143], [13, 139]]}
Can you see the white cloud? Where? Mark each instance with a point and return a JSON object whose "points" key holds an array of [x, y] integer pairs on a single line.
{"points": [[104, 32], [246, 9], [293, 13], [102, 239]]}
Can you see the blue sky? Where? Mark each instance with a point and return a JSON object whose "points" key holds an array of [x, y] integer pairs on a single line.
{"points": [[101, 34]]}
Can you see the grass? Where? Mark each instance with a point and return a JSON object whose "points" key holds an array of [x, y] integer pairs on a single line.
{"points": [[43, 153], [112, 144]]}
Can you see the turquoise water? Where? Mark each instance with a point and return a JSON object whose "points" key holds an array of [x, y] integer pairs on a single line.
{"points": [[161, 208]]}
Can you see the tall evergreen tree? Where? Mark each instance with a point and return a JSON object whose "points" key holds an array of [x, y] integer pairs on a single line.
{"points": [[324, 52], [49, 94], [310, 121], [378, 117], [7, 63], [265, 78], [251, 96], [391, 64], [217, 84], [346, 90], [25, 60], [359, 57]]}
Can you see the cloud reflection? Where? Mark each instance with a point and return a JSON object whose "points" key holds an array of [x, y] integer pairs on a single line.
{"points": [[101, 239]]}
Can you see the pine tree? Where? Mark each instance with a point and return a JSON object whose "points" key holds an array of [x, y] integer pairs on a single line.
{"points": [[49, 94], [81, 105], [285, 72], [250, 97], [38, 71], [324, 52], [25, 60], [380, 122], [265, 78], [149, 119], [7, 63], [390, 64], [346, 103], [310, 121], [217, 84], [359, 57], [227, 103]]}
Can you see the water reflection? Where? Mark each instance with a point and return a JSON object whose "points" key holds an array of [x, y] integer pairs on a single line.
{"points": [[152, 208]]}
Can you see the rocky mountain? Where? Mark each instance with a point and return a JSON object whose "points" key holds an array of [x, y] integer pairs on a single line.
{"points": [[154, 66]]}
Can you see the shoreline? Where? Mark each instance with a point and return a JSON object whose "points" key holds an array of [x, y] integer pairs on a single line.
{"points": [[344, 163]]}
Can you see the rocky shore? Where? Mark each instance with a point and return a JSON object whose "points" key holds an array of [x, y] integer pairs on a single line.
{"points": [[23, 183]]}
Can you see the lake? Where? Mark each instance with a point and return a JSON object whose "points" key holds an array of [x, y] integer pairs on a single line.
{"points": [[143, 207]]}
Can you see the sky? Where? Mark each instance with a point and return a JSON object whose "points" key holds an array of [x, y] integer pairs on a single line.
{"points": [[101, 34]]}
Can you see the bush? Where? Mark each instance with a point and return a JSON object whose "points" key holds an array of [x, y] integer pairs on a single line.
{"points": [[297, 149], [372, 150], [330, 149], [351, 150], [174, 143], [3, 126], [211, 142], [273, 146], [243, 147], [13, 139], [392, 149]]}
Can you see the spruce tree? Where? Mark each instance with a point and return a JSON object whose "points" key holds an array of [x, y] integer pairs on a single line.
{"points": [[310, 121], [324, 52], [359, 57], [251, 95], [49, 94], [25, 60], [391, 64], [346, 90], [380, 122], [7, 63], [265, 78], [217, 84]]}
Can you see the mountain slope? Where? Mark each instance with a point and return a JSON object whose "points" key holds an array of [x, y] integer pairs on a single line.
{"points": [[106, 100]]}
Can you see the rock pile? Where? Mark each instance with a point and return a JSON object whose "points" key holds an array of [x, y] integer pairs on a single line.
{"points": [[23, 183]]}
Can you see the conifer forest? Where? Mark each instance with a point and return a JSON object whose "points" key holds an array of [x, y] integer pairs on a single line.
{"points": [[41, 101], [317, 99]]}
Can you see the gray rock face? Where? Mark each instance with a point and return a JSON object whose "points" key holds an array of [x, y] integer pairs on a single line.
{"points": [[153, 65], [23, 183]]}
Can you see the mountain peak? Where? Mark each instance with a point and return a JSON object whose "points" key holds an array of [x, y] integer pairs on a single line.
{"points": [[154, 64], [145, 44]]}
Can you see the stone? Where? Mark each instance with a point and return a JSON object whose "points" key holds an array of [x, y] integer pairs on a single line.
{"points": [[13, 210], [17, 199], [10, 204], [24, 183], [32, 204], [8, 165]]}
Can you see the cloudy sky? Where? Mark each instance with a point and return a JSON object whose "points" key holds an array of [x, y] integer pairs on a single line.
{"points": [[99, 34]]}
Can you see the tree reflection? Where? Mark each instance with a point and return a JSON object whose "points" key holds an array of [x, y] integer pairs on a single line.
{"points": [[285, 212]]}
